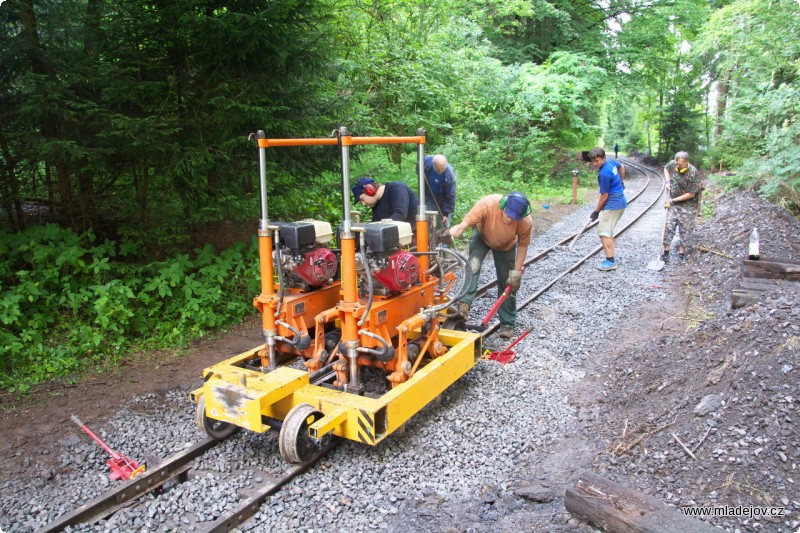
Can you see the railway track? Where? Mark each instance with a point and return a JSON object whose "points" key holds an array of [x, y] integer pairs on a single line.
{"points": [[176, 467], [639, 204]]}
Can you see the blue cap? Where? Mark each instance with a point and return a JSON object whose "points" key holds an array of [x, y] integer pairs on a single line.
{"points": [[517, 205], [358, 188]]}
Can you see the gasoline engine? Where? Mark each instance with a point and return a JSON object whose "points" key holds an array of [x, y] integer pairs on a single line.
{"points": [[303, 256], [384, 265]]}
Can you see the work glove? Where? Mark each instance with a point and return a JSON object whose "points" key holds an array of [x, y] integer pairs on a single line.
{"points": [[593, 215], [444, 237], [667, 204], [514, 280]]}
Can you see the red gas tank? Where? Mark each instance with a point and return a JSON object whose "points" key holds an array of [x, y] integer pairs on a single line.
{"points": [[318, 267], [401, 273]]}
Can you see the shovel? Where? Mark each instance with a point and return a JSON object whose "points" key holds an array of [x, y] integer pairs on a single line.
{"points": [[121, 467], [580, 233], [480, 328], [657, 264]]}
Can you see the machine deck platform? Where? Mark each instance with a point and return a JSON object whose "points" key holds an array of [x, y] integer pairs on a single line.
{"points": [[250, 399]]}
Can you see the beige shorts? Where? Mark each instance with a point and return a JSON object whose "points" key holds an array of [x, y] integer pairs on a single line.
{"points": [[607, 220]]}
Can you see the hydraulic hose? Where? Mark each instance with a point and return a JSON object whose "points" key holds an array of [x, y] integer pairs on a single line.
{"points": [[297, 340], [464, 287], [370, 287], [279, 261], [384, 354]]}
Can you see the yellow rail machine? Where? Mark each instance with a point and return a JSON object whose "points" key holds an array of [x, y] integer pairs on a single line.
{"points": [[383, 317]]}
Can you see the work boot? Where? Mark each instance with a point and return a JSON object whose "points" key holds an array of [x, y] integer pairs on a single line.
{"points": [[665, 255], [506, 332], [462, 310]]}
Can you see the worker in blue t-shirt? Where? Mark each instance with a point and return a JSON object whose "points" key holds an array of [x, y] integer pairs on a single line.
{"points": [[611, 204], [440, 187]]}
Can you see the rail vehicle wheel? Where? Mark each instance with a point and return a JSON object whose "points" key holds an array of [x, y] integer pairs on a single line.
{"points": [[294, 443], [455, 322], [216, 429]]}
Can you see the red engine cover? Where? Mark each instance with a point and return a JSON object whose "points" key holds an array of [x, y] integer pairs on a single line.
{"points": [[401, 272], [318, 267]]}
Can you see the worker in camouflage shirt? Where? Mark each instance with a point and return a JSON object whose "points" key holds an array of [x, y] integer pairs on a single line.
{"points": [[684, 186]]}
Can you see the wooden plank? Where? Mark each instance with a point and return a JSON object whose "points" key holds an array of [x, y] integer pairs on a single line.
{"points": [[758, 284], [771, 269], [617, 509], [742, 296]]}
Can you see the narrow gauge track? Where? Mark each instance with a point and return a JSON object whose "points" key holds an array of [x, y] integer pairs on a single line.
{"points": [[177, 465], [647, 195], [113, 500]]}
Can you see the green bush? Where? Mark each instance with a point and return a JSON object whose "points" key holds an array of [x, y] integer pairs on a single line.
{"points": [[68, 302]]}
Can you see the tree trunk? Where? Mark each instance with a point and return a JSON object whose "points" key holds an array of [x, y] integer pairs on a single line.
{"points": [[12, 202], [723, 87], [50, 126], [141, 182], [615, 508]]}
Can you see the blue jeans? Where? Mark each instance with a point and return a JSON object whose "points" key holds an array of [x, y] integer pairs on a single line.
{"points": [[503, 264]]}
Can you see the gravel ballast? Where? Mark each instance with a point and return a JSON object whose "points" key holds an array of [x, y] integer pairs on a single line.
{"points": [[481, 458]]}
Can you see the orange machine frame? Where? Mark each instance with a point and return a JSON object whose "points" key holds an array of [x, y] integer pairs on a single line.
{"points": [[340, 303]]}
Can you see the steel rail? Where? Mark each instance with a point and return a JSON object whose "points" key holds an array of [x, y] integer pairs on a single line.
{"points": [[541, 255], [251, 505], [641, 168], [110, 502]]}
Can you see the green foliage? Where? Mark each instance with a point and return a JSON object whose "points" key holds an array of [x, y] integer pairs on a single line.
{"points": [[758, 132], [67, 303], [130, 121]]}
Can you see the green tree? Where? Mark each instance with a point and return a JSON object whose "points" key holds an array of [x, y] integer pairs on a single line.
{"points": [[757, 120]]}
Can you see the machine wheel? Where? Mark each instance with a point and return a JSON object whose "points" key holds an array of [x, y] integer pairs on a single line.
{"points": [[294, 443], [215, 429], [455, 322]]}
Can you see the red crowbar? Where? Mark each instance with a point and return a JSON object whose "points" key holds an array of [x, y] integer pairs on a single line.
{"points": [[121, 467]]}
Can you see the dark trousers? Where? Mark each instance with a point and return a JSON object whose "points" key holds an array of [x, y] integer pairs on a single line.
{"points": [[503, 264]]}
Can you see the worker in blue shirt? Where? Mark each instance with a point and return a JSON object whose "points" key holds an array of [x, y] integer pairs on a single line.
{"points": [[393, 200], [440, 187], [611, 204]]}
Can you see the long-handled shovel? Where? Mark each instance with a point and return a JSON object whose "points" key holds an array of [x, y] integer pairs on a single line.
{"points": [[121, 467], [657, 263], [580, 233]]}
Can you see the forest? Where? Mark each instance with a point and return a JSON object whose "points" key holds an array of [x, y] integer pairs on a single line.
{"points": [[126, 124]]}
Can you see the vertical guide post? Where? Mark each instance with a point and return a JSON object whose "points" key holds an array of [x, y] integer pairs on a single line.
{"points": [[265, 246], [575, 186], [347, 243], [422, 220]]}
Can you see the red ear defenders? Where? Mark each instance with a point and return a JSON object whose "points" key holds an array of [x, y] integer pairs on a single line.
{"points": [[370, 189], [504, 200]]}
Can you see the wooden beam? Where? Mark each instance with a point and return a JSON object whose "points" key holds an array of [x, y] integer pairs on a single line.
{"points": [[615, 508], [758, 284], [771, 269]]}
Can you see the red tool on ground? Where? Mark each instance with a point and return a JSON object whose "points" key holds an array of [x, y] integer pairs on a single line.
{"points": [[506, 356], [121, 467]]}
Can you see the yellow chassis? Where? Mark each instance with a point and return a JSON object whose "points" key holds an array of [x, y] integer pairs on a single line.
{"points": [[241, 396]]}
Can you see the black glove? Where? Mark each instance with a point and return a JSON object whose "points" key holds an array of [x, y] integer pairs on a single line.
{"points": [[444, 237], [593, 215]]}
